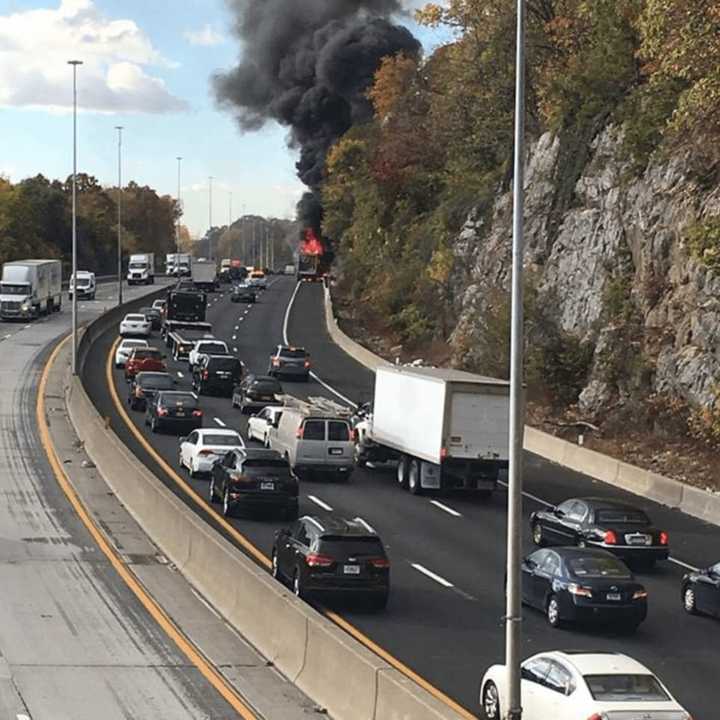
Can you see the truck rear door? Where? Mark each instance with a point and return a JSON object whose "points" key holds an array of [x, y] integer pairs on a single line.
{"points": [[478, 426]]}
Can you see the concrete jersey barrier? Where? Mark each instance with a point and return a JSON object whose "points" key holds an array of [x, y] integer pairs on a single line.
{"points": [[693, 501], [331, 667]]}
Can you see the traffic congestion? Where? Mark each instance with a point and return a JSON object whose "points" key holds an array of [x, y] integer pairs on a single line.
{"points": [[287, 438]]}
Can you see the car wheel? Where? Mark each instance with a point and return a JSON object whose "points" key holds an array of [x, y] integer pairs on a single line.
{"points": [[689, 600], [537, 535], [553, 612], [414, 478], [226, 510], [211, 492], [298, 588], [153, 425], [193, 473], [275, 567], [402, 472], [266, 442], [491, 701]]}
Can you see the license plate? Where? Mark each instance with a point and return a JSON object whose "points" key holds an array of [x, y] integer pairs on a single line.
{"points": [[614, 596], [351, 569], [180, 413], [638, 540], [267, 485], [335, 451]]}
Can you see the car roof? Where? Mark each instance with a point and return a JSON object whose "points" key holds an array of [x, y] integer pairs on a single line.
{"points": [[261, 454], [337, 525], [174, 393], [152, 375], [575, 552], [219, 431], [599, 663], [134, 314]]}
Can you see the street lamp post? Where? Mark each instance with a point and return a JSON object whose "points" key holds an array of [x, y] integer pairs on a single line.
{"points": [[210, 252], [119, 128], [74, 64], [513, 610], [177, 225]]}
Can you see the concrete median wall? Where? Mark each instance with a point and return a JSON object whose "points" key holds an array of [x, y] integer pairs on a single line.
{"points": [[693, 501], [335, 670]]}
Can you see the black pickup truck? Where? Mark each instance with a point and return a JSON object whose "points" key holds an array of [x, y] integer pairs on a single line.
{"points": [[180, 337]]}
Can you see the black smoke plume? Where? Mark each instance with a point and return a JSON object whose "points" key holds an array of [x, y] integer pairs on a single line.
{"points": [[307, 64]]}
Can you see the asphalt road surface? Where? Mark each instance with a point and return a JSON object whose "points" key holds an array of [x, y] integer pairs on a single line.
{"points": [[444, 619]]}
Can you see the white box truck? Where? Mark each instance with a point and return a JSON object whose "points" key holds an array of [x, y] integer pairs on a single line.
{"points": [[177, 264], [30, 288], [204, 275], [141, 269], [447, 429], [171, 264]]}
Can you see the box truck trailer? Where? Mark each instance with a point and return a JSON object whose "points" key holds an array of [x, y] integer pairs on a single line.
{"points": [[30, 288], [446, 429]]}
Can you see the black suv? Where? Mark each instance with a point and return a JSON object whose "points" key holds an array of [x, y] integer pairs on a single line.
{"points": [[256, 392], [177, 411], [243, 294], [290, 362], [153, 315], [146, 385], [219, 374], [332, 556], [254, 478]]}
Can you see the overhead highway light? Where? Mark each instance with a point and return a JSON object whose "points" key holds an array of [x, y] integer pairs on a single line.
{"points": [[74, 64]]}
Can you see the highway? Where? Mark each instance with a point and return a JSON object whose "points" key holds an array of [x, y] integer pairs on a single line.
{"points": [[444, 619], [75, 643]]}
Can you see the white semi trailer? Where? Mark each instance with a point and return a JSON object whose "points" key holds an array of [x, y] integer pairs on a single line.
{"points": [[30, 288], [446, 429]]}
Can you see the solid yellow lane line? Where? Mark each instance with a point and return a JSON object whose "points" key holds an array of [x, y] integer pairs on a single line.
{"points": [[264, 559], [183, 643]]}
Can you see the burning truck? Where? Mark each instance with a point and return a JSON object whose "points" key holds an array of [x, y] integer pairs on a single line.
{"points": [[313, 258]]}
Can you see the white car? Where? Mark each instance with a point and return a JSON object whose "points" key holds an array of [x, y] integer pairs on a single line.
{"points": [[135, 325], [210, 346], [124, 350], [261, 425], [201, 448], [257, 280], [559, 685]]}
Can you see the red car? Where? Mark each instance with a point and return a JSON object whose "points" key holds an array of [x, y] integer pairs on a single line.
{"points": [[144, 360]]}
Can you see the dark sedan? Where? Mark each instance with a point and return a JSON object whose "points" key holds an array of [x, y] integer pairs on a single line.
{"points": [[154, 315], [333, 557], [624, 530], [250, 478], [701, 591], [243, 294], [218, 374], [146, 385], [176, 411], [583, 585], [256, 392]]}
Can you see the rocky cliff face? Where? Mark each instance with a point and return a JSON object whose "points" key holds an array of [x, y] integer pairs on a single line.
{"points": [[611, 269]]}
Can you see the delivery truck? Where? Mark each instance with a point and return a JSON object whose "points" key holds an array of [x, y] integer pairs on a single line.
{"points": [[30, 288], [445, 429], [141, 269], [204, 275]]}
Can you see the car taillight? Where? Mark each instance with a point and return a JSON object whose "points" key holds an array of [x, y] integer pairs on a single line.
{"points": [[380, 563], [300, 432], [162, 412], [579, 590], [443, 453], [664, 539], [276, 362], [317, 560], [596, 716], [205, 374], [307, 363], [197, 413], [640, 595], [611, 538], [139, 392]]}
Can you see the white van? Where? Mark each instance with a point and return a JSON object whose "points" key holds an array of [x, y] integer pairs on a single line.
{"points": [[86, 286], [315, 443]]}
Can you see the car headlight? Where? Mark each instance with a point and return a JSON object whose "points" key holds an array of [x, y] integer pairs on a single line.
{"points": [[25, 307]]}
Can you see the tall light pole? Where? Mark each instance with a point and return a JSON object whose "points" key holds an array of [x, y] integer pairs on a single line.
{"points": [[119, 128], [513, 610], [74, 64], [229, 209], [177, 226], [210, 252]]}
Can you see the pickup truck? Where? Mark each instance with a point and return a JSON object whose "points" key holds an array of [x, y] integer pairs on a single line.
{"points": [[180, 337]]}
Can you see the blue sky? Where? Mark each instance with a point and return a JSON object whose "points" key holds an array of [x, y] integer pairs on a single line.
{"points": [[148, 66]]}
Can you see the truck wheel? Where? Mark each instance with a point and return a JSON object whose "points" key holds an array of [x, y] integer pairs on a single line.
{"points": [[414, 478], [402, 472]]}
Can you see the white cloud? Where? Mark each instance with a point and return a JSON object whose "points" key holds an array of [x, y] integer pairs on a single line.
{"points": [[36, 45], [205, 37]]}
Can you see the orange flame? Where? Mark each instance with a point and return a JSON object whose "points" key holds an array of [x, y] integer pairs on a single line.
{"points": [[311, 245]]}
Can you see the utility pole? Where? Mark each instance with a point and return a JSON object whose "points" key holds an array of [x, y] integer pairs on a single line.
{"points": [[229, 209], [119, 128], [513, 610], [74, 64], [210, 251], [177, 226]]}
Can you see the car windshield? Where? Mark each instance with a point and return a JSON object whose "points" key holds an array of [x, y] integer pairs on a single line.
{"points": [[268, 387], [135, 318], [598, 567], [178, 399], [626, 688], [137, 266], [14, 289], [622, 516], [222, 440], [224, 364], [156, 382], [263, 463], [212, 348], [344, 546], [147, 355], [292, 353], [83, 282]]}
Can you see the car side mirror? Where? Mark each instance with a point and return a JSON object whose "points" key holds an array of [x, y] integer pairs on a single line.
{"points": [[557, 512], [529, 563], [182, 440]]}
